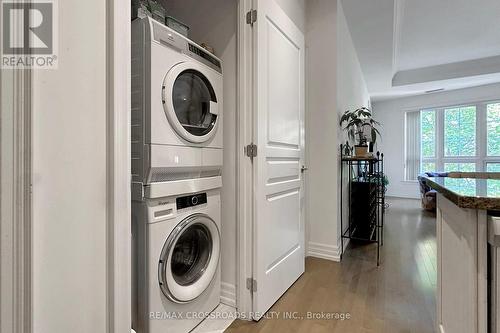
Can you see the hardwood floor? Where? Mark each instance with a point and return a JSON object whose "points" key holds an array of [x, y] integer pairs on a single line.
{"points": [[398, 296]]}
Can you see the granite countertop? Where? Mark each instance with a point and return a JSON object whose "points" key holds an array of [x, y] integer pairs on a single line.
{"points": [[468, 192]]}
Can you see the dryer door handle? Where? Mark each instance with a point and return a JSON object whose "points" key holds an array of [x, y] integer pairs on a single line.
{"points": [[214, 108]]}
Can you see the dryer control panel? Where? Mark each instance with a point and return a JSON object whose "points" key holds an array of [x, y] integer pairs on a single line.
{"points": [[169, 37], [191, 200]]}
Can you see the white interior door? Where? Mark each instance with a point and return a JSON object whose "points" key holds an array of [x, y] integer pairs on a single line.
{"points": [[279, 134]]}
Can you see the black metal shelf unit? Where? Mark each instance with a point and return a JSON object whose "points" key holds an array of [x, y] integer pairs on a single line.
{"points": [[366, 199]]}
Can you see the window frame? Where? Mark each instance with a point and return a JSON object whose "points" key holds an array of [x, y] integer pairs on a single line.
{"points": [[481, 159]]}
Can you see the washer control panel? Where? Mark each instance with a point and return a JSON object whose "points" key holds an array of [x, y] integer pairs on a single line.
{"points": [[191, 200]]}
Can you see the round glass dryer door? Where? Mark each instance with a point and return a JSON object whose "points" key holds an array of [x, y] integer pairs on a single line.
{"points": [[189, 259], [190, 103]]}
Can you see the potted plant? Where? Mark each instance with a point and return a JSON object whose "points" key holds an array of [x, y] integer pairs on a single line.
{"points": [[358, 123]]}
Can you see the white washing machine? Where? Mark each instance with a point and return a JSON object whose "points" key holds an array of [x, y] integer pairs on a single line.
{"points": [[176, 262], [176, 106]]}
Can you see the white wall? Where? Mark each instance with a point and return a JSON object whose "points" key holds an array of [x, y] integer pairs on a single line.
{"points": [[321, 130], [296, 11], [334, 84], [69, 181], [351, 89], [391, 114]]}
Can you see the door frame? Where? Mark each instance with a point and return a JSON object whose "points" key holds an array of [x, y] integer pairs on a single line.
{"points": [[118, 160], [244, 168], [16, 90], [15, 201]]}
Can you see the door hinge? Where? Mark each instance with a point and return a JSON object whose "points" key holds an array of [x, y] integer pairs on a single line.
{"points": [[252, 284], [137, 191], [251, 17], [251, 151]]}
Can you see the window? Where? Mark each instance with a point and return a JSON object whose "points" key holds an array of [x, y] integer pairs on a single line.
{"points": [[460, 131], [493, 129], [462, 167], [493, 167], [462, 138], [454, 182], [494, 188], [428, 166], [466, 186]]}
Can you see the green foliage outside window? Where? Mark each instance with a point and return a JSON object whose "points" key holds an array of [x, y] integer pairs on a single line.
{"points": [[493, 129], [463, 186], [493, 186], [458, 184], [459, 138], [460, 131], [462, 167], [428, 167], [493, 167]]}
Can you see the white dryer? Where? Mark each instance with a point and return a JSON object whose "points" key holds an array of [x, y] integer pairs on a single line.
{"points": [[176, 262], [176, 106]]}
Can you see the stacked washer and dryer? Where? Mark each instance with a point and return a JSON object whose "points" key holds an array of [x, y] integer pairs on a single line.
{"points": [[176, 174]]}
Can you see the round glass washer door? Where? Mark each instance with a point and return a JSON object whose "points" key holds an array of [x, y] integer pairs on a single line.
{"points": [[189, 259], [190, 102]]}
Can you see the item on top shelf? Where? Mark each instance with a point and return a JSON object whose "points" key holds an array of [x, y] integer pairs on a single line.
{"points": [[361, 150], [208, 48], [347, 149], [361, 126], [157, 11], [140, 9], [177, 25]]}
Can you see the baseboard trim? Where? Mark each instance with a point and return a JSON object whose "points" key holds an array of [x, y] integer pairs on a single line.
{"points": [[228, 294], [325, 251]]}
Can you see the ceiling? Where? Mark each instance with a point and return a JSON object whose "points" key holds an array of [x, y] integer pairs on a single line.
{"points": [[408, 47]]}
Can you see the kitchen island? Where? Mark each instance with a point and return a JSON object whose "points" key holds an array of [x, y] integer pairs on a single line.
{"points": [[463, 206]]}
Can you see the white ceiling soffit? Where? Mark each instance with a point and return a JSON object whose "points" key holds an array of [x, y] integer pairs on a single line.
{"points": [[448, 44], [436, 32], [468, 68]]}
